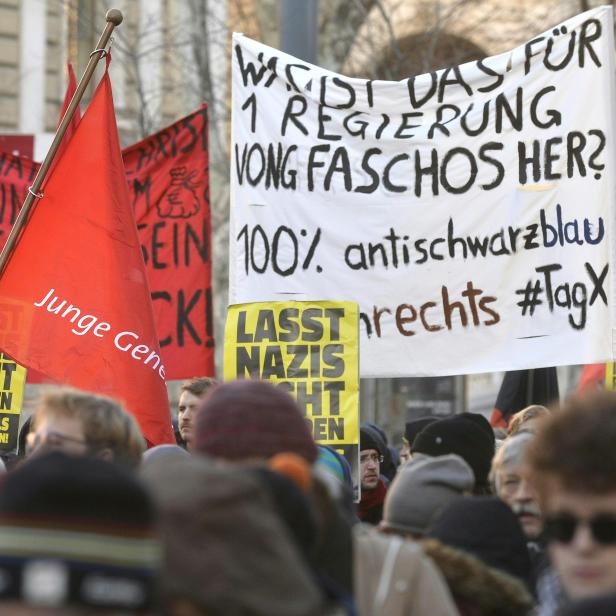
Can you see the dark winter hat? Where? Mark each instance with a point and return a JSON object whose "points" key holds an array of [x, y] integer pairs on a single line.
{"points": [[77, 534], [369, 438], [463, 437], [413, 428], [486, 528], [248, 419], [422, 488], [481, 422]]}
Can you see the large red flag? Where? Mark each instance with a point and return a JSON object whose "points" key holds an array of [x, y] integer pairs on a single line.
{"points": [[74, 298]]}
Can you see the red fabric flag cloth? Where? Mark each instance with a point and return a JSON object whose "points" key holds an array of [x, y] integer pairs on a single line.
{"points": [[34, 376], [75, 294], [167, 175], [168, 180], [592, 377], [71, 88]]}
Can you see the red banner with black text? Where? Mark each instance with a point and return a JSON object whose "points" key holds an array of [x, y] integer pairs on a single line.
{"points": [[168, 182]]}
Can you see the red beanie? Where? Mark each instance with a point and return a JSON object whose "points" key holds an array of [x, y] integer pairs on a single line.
{"points": [[251, 419]]}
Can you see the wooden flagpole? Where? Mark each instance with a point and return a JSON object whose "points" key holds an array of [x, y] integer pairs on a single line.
{"points": [[114, 18]]}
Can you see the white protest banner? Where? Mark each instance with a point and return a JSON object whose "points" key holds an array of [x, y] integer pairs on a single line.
{"points": [[468, 211]]}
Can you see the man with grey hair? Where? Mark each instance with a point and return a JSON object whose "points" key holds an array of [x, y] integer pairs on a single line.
{"points": [[510, 483]]}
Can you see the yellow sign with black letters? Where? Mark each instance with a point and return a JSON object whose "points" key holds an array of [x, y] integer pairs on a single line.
{"points": [[12, 384], [309, 348]]}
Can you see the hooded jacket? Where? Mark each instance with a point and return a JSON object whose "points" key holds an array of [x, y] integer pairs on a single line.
{"points": [[393, 577], [478, 590]]}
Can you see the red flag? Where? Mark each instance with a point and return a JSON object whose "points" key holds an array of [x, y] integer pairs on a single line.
{"points": [[168, 181], [71, 88], [521, 388], [592, 377], [76, 285]]}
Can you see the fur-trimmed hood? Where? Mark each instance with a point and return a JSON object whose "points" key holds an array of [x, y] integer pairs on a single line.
{"points": [[478, 589]]}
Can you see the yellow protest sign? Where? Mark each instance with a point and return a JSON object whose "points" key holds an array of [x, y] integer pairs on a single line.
{"points": [[12, 383], [610, 378], [310, 349]]}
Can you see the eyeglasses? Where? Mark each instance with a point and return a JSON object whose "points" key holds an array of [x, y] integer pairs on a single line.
{"points": [[563, 526], [371, 457], [52, 440]]}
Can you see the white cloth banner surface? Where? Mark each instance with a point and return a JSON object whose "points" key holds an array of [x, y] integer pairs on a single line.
{"points": [[468, 211]]}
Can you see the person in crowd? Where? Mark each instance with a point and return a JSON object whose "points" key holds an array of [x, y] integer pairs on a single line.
{"points": [[479, 546], [572, 462], [334, 465], [250, 420], [411, 430], [390, 462], [394, 577], [404, 453], [511, 483], [81, 423], [373, 488], [527, 419], [421, 490], [464, 435], [227, 548], [170, 453], [77, 539], [192, 393], [247, 423]]}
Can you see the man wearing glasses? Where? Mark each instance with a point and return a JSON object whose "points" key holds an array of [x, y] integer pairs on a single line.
{"points": [[573, 467], [373, 488]]}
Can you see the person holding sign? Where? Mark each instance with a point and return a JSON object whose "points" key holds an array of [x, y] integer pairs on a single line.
{"points": [[373, 488]]}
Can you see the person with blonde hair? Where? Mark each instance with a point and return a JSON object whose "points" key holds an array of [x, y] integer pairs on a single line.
{"points": [[526, 419], [81, 423]]}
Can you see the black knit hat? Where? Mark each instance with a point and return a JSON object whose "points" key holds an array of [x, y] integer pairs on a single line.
{"points": [[86, 524], [481, 422], [369, 438], [489, 530], [414, 427], [459, 435]]}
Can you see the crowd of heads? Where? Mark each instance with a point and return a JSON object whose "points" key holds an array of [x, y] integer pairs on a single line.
{"points": [[247, 515]]}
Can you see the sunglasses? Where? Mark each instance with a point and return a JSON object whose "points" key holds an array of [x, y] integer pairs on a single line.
{"points": [[562, 527]]}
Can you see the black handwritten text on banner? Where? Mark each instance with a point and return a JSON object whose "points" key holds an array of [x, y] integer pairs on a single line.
{"points": [[468, 211]]}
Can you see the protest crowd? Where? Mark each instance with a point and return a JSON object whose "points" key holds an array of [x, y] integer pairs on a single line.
{"points": [[246, 514]]}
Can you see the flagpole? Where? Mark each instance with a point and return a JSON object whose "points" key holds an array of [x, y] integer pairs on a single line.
{"points": [[114, 18]]}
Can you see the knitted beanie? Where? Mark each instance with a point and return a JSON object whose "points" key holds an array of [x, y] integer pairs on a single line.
{"points": [[335, 465], [422, 489], [459, 435], [250, 419], [489, 530], [84, 523], [414, 427]]}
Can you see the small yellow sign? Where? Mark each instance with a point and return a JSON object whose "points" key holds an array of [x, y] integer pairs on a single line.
{"points": [[12, 384], [609, 376], [310, 349]]}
